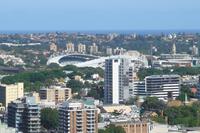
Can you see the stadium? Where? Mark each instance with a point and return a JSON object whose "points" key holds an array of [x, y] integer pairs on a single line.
{"points": [[86, 60]]}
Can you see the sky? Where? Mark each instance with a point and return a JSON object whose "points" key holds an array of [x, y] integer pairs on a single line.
{"points": [[93, 15]]}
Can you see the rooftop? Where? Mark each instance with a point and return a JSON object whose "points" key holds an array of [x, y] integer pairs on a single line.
{"points": [[163, 76]]}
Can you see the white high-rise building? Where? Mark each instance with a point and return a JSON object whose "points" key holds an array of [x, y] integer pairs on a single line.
{"points": [[118, 78]]}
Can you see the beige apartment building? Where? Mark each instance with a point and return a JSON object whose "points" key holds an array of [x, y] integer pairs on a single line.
{"points": [[81, 48], [70, 47], [53, 47], [94, 49], [55, 94], [78, 117], [11, 92]]}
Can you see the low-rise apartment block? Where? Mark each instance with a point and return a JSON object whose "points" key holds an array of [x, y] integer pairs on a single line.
{"points": [[55, 94]]}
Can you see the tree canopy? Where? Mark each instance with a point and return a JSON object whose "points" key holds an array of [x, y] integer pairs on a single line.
{"points": [[96, 91], [185, 90], [49, 118], [86, 72], [34, 80], [153, 104], [188, 116], [177, 70], [112, 129], [75, 85]]}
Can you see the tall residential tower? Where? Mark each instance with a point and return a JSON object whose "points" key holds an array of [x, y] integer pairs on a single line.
{"points": [[24, 115], [118, 78]]}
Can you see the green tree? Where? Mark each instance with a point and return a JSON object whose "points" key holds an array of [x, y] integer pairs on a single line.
{"points": [[188, 116], [185, 90], [2, 62], [85, 72], [153, 104], [96, 92], [49, 118], [100, 119], [53, 66], [75, 85], [133, 100], [114, 129], [34, 80], [42, 60], [175, 70], [101, 131], [70, 68], [147, 72]]}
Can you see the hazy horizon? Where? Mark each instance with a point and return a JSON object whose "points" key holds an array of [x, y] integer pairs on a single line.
{"points": [[141, 32]]}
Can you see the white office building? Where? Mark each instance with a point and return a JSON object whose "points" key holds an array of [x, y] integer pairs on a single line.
{"points": [[163, 86], [138, 89]]}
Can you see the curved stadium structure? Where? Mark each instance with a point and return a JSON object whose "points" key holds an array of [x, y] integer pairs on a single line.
{"points": [[86, 60], [70, 59]]}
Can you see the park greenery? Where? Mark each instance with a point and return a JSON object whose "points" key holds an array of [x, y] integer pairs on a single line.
{"points": [[96, 89], [85, 72], [177, 70], [184, 115], [153, 104], [188, 116], [34, 80]]}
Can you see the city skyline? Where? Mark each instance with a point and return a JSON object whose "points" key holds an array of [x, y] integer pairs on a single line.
{"points": [[99, 66], [88, 15]]}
